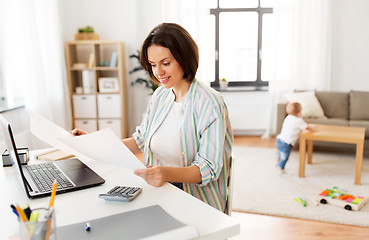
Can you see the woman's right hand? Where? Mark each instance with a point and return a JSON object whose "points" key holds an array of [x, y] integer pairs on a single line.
{"points": [[78, 132]]}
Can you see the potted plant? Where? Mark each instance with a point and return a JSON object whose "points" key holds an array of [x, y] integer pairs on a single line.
{"points": [[146, 81], [223, 83]]}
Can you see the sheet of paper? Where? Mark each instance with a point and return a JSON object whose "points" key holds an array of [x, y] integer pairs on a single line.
{"points": [[102, 146], [50, 133]]}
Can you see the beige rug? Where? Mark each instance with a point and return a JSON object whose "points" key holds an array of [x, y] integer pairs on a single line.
{"points": [[258, 188]]}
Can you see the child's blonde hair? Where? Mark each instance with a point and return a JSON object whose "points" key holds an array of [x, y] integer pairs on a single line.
{"points": [[293, 108]]}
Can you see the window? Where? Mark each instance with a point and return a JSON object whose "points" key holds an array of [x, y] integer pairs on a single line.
{"points": [[12, 61], [239, 29]]}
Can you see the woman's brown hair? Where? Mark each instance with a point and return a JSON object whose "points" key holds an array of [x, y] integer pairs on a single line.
{"points": [[180, 43]]}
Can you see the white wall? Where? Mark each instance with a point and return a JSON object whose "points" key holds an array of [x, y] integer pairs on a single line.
{"points": [[118, 20]]}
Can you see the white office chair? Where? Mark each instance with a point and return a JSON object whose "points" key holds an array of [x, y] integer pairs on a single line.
{"points": [[228, 205]]}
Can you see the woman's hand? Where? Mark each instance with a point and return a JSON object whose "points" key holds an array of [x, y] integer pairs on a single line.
{"points": [[77, 132], [153, 175], [158, 175]]}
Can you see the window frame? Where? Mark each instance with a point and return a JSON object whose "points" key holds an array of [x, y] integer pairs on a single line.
{"points": [[258, 83]]}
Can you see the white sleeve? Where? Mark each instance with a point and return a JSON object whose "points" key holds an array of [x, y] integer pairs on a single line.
{"points": [[303, 125]]}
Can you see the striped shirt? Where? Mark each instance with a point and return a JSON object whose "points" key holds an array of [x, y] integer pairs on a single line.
{"points": [[206, 138]]}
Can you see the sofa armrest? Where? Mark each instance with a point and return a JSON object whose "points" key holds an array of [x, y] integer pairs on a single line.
{"points": [[281, 115]]}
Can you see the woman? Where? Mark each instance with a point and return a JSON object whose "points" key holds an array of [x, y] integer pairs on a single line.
{"points": [[186, 135]]}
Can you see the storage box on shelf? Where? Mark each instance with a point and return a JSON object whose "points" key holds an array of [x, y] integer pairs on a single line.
{"points": [[97, 104]]}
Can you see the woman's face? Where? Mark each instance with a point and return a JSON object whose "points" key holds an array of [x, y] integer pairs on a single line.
{"points": [[164, 66]]}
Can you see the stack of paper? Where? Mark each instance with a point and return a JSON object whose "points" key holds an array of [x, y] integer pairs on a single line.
{"points": [[53, 155]]}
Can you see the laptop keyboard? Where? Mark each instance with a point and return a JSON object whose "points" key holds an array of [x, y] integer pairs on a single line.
{"points": [[44, 175]]}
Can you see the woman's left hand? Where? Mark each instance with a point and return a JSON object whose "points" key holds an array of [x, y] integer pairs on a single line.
{"points": [[153, 175]]}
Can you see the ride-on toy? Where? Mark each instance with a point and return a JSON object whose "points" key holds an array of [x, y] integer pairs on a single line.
{"points": [[340, 198]]}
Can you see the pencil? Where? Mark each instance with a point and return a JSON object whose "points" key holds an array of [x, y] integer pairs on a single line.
{"points": [[53, 194], [21, 214]]}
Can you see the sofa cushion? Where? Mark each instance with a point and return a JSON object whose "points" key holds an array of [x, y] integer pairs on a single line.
{"points": [[328, 121], [334, 104], [309, 103], [360, 123], [359, 109]]}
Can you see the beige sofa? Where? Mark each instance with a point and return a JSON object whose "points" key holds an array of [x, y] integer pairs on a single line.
{"points": [[340, 108]]}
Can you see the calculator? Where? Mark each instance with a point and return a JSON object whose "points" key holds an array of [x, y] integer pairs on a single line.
{"points": [[121, 193]]}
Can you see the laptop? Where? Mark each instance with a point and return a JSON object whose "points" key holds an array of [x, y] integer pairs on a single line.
{"points": [[71, 174]]}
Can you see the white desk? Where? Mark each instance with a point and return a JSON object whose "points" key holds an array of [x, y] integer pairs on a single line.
{"points": [[84, 205]]}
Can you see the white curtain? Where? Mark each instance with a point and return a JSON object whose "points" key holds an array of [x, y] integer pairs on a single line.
{"points": [[302, 52], [34, 58], [311, 45]]}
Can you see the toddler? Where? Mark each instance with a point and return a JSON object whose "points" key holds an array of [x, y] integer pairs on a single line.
{"points": [[293, 124]]}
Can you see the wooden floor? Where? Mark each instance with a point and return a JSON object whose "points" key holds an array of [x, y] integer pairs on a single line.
{"points": [[262, 227]]}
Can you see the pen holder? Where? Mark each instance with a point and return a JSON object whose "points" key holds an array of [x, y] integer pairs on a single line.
{"points": [[41, 227]]}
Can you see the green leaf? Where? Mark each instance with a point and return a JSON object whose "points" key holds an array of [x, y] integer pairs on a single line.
{"points": [[139, 68]]}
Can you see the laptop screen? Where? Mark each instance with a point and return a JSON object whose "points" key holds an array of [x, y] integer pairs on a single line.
{"points": [[12, 149]]}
